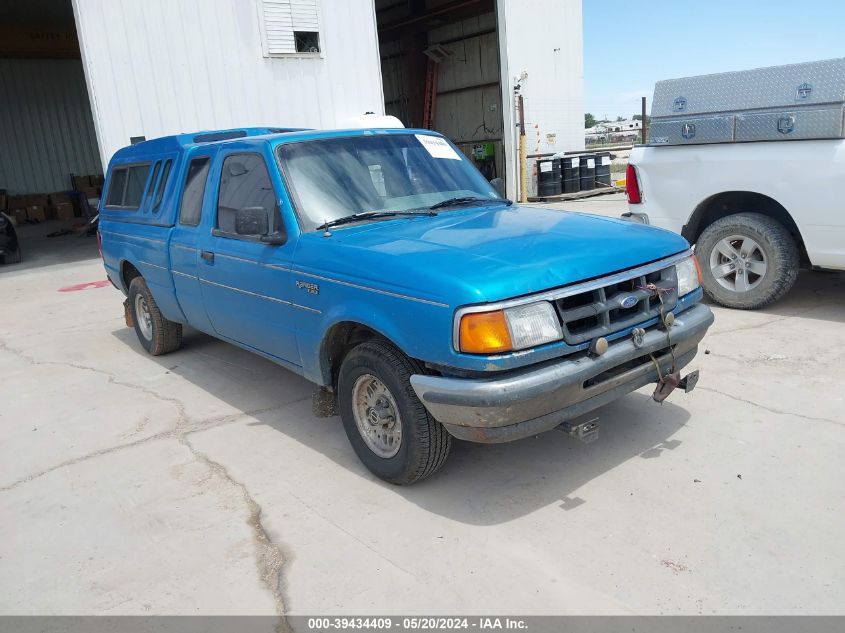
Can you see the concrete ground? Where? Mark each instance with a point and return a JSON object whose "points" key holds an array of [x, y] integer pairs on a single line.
{"points": [[200, 482]]}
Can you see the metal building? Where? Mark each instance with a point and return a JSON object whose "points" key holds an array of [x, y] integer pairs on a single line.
{"points": [[82, 78]]}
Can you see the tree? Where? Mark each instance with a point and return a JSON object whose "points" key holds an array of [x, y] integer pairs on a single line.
{"points": [[639, 117], [620, 118], [589, 120]]}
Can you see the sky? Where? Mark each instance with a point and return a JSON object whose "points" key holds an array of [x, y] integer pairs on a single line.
{"points": [[630, 44]]}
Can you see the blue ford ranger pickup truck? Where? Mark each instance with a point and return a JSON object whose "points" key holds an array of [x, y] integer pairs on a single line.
{"points": [[382, 266]]}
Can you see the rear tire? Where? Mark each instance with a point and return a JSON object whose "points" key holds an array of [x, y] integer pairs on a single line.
{"points": [[748, 260], [389, 428], [156, 334]]}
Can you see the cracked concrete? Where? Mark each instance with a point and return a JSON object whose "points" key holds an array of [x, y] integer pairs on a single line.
{"points": [[200, 482]]}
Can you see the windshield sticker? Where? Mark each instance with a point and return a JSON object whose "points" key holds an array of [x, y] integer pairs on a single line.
{"points": [[437, 147]]}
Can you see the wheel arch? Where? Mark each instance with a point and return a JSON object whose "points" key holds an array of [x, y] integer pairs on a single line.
{"points": [[338, 341], [128, 272], [727, 203]]}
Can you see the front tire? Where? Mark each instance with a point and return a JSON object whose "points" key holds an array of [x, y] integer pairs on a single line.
{"points": [[389, 428], [748, 260], [156, 334]]}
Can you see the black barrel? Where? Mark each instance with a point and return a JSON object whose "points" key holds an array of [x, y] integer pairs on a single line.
{"points": [[570, 178], [587, 172], [548, 177], [602, 169]]}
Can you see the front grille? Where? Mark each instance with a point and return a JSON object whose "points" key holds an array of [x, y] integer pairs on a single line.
{"points": [[599, 312]]}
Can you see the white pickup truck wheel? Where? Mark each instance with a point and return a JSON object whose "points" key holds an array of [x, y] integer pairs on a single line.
{"points": [[389, 428], [748, 260]]}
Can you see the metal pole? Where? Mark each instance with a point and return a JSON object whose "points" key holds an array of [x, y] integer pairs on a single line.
{"points": [[644, 125], [523, 176]]}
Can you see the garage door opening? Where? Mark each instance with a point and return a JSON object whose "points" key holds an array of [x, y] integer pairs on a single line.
{"points": [[441, 71], [50, 167]]}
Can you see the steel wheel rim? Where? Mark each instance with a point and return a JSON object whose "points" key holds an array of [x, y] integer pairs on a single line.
{"points": [[142, 314], [738, 263], [376, 416]]}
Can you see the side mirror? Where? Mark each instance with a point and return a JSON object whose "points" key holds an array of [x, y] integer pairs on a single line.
{"points": [[499, 186], [274, 239], [251, 221], [278, 237]]}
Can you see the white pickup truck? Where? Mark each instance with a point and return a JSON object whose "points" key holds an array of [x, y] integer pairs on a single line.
{"points": [[716, 170]]}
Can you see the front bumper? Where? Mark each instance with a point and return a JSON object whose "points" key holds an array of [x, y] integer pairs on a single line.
{"points": [[535, 399]]}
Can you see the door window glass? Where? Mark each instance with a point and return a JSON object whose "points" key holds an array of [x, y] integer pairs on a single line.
{"points": [[245, 183]]}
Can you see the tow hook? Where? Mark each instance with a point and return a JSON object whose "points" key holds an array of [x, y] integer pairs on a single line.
{"points": [[668, 383], [127, 314], [583, 431]]}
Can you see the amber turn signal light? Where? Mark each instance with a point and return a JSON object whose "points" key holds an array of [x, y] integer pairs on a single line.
{"points": [[484, 333], [697, 269]]}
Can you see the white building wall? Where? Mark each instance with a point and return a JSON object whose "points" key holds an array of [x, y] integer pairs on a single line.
{"points": [[543, 38], [162, 67]]}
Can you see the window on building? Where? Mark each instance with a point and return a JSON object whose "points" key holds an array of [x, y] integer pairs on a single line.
{"points": [[245, 184], [190, 210], [290, 27], [126, 186]]}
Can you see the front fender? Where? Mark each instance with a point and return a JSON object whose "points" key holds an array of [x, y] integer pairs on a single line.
{"points": [[420, 330]]}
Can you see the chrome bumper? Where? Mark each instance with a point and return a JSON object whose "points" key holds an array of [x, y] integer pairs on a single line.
{"points": [[531, 400]]}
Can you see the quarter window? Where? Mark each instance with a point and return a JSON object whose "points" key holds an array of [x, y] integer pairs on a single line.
{"points": [[245, 183], [190, 210], [162, 183], [150, 191]]}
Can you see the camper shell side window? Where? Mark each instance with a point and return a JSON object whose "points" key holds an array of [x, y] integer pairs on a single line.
{"points": [[127, 185]]}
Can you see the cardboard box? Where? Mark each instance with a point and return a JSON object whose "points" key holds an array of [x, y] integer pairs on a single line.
{"points": [[16, 202], [81, 182], [97, 180], [37, 200], [19, 214], [57, 197], [90, 192], [63, 211], [36, 213]]}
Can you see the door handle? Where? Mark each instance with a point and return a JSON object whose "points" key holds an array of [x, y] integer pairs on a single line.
{"points": [[207, 256]]}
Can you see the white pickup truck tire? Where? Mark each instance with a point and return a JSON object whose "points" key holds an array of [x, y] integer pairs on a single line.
{"points": [[748, 260]]}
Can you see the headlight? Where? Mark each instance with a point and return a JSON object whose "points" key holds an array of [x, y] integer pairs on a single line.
{"points": [[510, 329], [689, 275]]}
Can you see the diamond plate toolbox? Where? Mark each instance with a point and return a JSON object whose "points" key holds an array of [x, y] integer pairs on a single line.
{"points": [[694, 130], [798, 101]]}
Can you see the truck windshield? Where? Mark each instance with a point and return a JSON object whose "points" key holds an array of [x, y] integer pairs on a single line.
{"points": [[337, 177]]}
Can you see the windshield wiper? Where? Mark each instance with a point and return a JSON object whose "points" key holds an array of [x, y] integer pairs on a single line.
{"points": [[453, 202], [369, 215]]}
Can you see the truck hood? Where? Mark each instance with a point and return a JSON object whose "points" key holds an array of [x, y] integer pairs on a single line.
{"points": [[478, 255]]}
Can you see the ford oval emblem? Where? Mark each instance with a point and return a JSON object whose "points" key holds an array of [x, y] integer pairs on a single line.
{"points": [[630, 301]]}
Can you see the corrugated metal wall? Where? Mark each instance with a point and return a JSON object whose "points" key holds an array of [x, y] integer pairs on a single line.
{"points": [[46, 129], [469, 101], [159, 67]]}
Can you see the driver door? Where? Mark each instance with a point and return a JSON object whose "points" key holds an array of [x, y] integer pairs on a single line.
{"points": [[246, 281]]}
